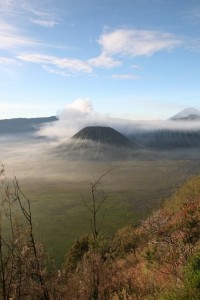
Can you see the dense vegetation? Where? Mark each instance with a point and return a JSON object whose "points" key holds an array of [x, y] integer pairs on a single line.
{"points": [[160, 259]]}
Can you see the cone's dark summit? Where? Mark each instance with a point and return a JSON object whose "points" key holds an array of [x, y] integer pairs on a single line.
{"points": [[104, 135]]}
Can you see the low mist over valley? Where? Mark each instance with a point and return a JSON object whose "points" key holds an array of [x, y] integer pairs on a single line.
{"points": [[56, 160]]}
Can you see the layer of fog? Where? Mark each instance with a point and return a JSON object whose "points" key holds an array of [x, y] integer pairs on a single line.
{"points": [[80, 113], [37, 160], [33, 157]]}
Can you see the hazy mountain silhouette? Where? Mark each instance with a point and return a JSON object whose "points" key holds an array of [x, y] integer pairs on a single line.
{"points": [[102, 142], [167, 138], [188, 114], [23, 125], [97, 143], [174, 138], [103, 135]]}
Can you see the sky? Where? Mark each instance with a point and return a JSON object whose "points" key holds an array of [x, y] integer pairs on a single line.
{"points": [[128, 59]]}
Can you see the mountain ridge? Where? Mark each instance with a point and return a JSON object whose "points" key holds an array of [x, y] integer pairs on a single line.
{"points": [[187, 114], [23, 125]]}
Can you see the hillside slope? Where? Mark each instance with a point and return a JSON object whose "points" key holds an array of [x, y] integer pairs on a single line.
{"points": [[158, 260]]}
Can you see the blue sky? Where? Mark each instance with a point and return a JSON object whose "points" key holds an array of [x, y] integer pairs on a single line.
{"points": [[134, 59]]}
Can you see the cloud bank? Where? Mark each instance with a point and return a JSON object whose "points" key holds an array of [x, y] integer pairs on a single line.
{"points": [[72, 118], [80, 113], [133, 42], [77, 115]]}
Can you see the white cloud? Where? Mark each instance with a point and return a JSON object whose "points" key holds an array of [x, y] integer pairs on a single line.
{"points": [[10, 39], [81, 106], [7, 61], [73, 117], [125, 76], [134, 42], [34, 11], [120, 42], [55, 71], [44, 23], [104, 61], [74, 65], [43, 18], [38, 13]]}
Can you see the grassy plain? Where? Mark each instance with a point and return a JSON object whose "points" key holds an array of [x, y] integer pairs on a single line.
{"points": [[133, 189]]}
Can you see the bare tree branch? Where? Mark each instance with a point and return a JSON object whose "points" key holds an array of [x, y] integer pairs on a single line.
{"points": [[98, 199]]}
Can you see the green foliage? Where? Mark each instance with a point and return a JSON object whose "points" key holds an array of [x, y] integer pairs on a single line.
{"points": [[190, 191], [190, 289], [84, 245], [192, 273], [150, 254], [177, 295], [76, 252], [126, 240], [103, 246]]}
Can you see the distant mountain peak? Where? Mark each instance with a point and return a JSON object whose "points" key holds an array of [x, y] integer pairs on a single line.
{"points": [[97, 143], [102, 134], [189, 113]]}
